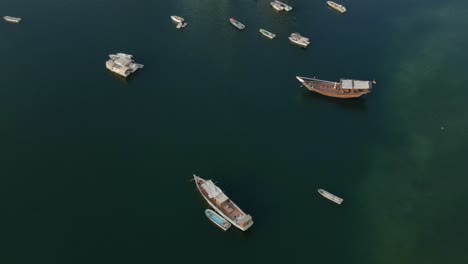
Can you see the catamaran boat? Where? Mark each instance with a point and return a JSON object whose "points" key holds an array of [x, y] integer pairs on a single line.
{"points": [[346, 88], [330, 196], [284, 6], [237, 24], [299, 40], [177, 19], [221, 203], [12, 19], [217, 219], [122, 64], [336, 6], [267, 33], [276, 6]]}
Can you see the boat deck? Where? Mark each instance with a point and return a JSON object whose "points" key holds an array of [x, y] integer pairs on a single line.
{"points": [[333, 88], [230, 209]]}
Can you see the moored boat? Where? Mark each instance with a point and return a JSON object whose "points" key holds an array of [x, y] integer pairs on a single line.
{"points": [[336, 6], [237, 24], [330, 196], [346, 88], [177, 19], [276, 6], [219, 201], [217, 219], [12, 19], [284, 6], [122, 64], [267, 33], [299, 40]]}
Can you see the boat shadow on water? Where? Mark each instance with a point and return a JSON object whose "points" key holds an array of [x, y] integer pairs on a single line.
{"points": [[355, 104]]}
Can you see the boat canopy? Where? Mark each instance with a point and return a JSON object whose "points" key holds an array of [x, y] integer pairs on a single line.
{"points": [[354, 84], [211, 189]]}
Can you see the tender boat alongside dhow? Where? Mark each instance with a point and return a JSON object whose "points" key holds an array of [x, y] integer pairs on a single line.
{"points": [[237, 24], [217, 219], [215, 197], [336, 6], [12, 19], [267, 33], [346, 88], [330, 196]]}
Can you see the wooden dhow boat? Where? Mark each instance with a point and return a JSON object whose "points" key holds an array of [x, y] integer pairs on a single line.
{"points": [[330, 196], [215, 197], [217, 219], [346, 88]]}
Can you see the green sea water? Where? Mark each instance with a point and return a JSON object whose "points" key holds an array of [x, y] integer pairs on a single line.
{"points": [[96, 169]]}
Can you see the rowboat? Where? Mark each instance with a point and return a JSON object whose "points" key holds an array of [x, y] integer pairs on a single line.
{"points": [[267, 33], [330, 196], [237, 24], [217, 219]]}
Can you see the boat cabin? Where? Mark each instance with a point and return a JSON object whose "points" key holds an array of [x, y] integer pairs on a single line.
{"points": [[355, 86]]}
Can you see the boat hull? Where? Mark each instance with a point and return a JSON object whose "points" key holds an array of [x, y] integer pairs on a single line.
{"points": [[333, 6], [267, 34], [217, 219], [243, 228], [302, 45], [12, 19], [329, 89], [330, 196]]}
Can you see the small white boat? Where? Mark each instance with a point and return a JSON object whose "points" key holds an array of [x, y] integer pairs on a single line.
{"points": [[330, 196], [177, 19], [276, 6], [12, 19], [181, 25], [284, 6], [336, 6], [217, 219], [237, 24], [267, 33]]}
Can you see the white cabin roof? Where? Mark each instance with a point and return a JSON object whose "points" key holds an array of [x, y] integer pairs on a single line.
{"points": [[354, 84], [123, 61], [211, 189]]}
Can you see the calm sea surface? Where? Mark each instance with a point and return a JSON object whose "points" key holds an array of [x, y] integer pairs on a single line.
{"points": [[96, 169]]}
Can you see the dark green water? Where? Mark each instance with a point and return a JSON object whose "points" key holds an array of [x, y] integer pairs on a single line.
{"points": [[95, 169]]}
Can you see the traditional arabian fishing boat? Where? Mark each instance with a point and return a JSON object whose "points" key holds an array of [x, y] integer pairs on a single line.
{"points": [[346, 88], [215, 197]]}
